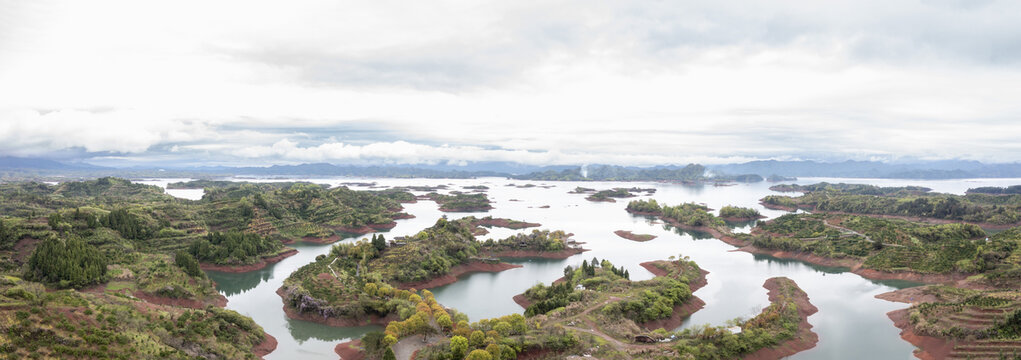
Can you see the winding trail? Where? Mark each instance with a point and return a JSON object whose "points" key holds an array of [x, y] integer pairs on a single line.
{"points": [[852, 232]]}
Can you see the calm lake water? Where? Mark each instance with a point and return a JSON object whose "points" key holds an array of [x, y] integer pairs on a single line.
{"points": [[851, 323]]}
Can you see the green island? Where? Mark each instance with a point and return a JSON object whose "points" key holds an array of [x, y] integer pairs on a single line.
{"points": [[458, 201], [871, 246], [734, 213], [975, 314], [343, 288], [112, 325], [118, 266], [908, 202], [595, 310], [609, 195]]}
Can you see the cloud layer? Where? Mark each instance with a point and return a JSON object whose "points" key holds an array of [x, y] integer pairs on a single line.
{"points": [[558, 82]]}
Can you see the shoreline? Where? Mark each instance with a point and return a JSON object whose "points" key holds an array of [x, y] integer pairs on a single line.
{"points": [[854, 266], [682, 311], [634, 237], [518, 254], [350, 350], [265, 261], [334, 321], [505, 223], [468, 209], [804, 339], [451, 276], [928, 347], [268, 344]]}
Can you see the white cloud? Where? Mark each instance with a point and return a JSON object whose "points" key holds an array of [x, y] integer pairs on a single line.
{"points": [[534, 82]]}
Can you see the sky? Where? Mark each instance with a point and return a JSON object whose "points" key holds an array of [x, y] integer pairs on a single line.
{"points": [[133, 83]]}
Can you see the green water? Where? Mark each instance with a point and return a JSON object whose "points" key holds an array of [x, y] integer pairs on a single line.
{"points": [[851, 323]]}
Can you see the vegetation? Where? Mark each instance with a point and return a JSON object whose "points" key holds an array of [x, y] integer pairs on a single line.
{"points": [[739, 213], [138, 250], [608, 195], [360, 280], [67, 263], [649, 206], [233, 248], [70, 324], [461, 202], [992, 190], [537, 240], [902, 201], [776, 323], [882, 244]]}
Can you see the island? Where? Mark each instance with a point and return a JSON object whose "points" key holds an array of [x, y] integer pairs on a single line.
{"points": [[457, 201], [909, 202], [634, 237], [595, 310], [371, 281], [102, 269]]}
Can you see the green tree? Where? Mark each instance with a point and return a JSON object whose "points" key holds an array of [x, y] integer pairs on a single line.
{"points": [[70, 263], [185, 261], [379, 242], [389, 354], [458, 347], [479, 354], [477, 339]]}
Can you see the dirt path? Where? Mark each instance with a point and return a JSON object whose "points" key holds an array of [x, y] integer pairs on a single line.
{"points": [[849, 231], [407, 347]]}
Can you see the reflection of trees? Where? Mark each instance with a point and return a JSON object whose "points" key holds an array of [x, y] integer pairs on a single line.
{"points": [[740, 224], [302, 331], [235, 283], [695, 234]]}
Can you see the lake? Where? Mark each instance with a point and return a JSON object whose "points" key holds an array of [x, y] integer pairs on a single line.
{"points": [[851, 323]]}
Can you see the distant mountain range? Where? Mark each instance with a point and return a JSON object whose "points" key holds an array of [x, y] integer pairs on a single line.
{"points": [[21, 168]]}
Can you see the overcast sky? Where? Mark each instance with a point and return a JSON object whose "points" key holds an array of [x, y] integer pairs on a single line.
{"points": [[537, 82]]}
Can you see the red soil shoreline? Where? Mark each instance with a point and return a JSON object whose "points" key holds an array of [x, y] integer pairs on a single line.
{"points": [[682, 311], [803, 340], [929, 348], [321, 240], [451, 276], [559, 254], [268, 344], [250, 267], [855, 265], [350, 350], [634, 237], [505, 223]]}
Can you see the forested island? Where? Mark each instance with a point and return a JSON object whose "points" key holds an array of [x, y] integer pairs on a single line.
{"points": [[111, 269], [356, 283], [457, 201], [597, 311], [901, 233]]}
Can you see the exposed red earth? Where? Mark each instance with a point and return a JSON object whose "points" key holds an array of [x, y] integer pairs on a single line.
{"points": [[634, 237]]}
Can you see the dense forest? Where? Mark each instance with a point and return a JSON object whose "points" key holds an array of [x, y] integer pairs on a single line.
{"points": [[902, 201]]}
